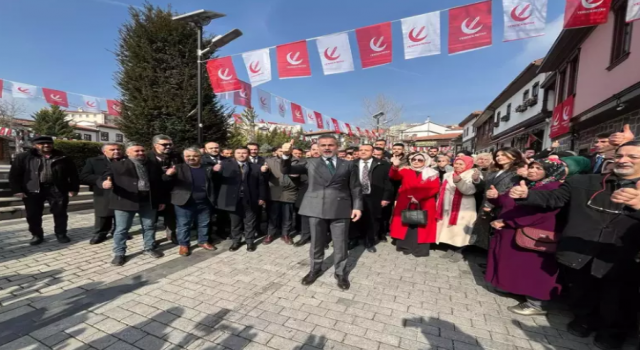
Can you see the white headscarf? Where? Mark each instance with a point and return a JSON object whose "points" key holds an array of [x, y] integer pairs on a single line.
{"points": [[428, 173]]}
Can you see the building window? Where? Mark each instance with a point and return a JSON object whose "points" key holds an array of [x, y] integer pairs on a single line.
{"points": [[508, 110], [497, 122], [104, 136], [560, 96], [87, 137], [525, 95], [77, 136], [535, 90], [572, 79], [119, 138], [621, 35]]}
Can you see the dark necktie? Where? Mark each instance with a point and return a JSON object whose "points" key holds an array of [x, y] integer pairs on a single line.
{"points": [[242, 170], [597, 169], [366, 183], [330, 165]]}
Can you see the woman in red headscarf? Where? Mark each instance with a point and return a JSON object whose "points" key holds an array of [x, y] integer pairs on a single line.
{"points": [[457, 207]]}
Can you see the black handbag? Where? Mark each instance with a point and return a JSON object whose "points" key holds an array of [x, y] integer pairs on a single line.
{"points": [[417, 217]]}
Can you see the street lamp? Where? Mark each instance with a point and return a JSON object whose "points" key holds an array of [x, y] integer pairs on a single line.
{"points": [[200, 19], [377, 117]]}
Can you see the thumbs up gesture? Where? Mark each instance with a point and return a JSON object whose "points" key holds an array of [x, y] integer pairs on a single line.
{"points": [[264, 168], [456, 178], [492, 193], [171, 171], [620, 138], [217, 167], [628, 196], [287, 147], [520, 191], [107, 184], [476, 174]]}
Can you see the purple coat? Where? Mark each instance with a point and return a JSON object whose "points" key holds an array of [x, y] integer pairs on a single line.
{"points": [[517, 270]]}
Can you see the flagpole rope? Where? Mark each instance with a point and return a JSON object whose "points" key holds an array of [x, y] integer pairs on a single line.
{"points": [[348, 31], [68, 93]]}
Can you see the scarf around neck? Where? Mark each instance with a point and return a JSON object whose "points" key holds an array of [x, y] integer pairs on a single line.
{"points": [[143, 175]]}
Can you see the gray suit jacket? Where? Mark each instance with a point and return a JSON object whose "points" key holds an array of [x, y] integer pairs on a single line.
{"points": [[327, 196]]}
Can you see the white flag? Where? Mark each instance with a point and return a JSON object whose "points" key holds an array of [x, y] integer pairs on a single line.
{"points": [[343, 127], [335, 53], [90, 104], [265, 100], [524, 18], [282, 106], [421, 35], [258, 65], [633, 10], [19, 90], [311, 117]]}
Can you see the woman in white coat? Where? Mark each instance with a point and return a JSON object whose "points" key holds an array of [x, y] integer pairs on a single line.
{"points": [[457, 207]]}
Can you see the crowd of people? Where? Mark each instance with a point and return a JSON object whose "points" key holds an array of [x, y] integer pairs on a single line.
{"points": [[551, 223]]}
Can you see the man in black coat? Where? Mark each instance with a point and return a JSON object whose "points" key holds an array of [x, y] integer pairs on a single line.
{"points": [[137, 187], [599, 245], [212, 157], [377, 194], [212, 154], [193, 197], [91, 175], [44, 174], [242, 193], [257, 159], [165, 156], [302, 222]]}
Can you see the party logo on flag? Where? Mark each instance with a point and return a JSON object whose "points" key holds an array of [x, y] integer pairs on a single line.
{"points": [[265, 100], [335, 53], [524, 18], [90, 103], [585, 13], [222, 75], [311, 117], [296, 113], [19, 90], [55, 97], [293, 60], [349, 129], [114, 108], [470, 27], [421, 35], [282, 106], [336, 126], [375, 44], [258, 65], [319, 122], [243, 96], [359, 131], [237, 118], [633, 13]]}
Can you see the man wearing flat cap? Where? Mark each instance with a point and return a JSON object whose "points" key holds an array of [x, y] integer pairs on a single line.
{"points": [[44, 174]]}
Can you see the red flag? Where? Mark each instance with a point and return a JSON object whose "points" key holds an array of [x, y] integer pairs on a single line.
{"points": [[470, 27], [368, 133], [359, 131], [336, 126], [243, 97], [584, 13], [1, 87], [349, 128], [531, 139], [319, 123], [223, 75], [293, 60], [237, 118], [561, 122], [55, 97], [375, 44], [114, 107], [296, 112]]}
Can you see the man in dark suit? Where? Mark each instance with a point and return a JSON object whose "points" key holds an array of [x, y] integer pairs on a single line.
{"points": [[136, 188], [383, 144], [192, 196], [302, 222], [377, 194], [210, 158], [603, 149], [212, 154], [255, 158], [332, 200], [242, 193], [91, 175], [164, 156]]}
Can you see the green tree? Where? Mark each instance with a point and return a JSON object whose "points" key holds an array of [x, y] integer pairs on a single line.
{"points": [[52, 122], [157, 81], [237, 136], [249, 118]]}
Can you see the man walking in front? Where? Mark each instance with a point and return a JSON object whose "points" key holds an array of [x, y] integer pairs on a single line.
{"points": [[44, 174], [333, 199], [136, 188]]}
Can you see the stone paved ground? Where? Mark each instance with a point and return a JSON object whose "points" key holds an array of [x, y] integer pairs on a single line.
{"points": [[69, 297]]}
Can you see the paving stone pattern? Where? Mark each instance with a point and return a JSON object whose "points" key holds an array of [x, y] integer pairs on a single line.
{"points": [[254, 301]]}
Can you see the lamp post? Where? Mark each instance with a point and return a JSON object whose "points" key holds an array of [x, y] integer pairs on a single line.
{"points": [[377, 117], [200, 19]]}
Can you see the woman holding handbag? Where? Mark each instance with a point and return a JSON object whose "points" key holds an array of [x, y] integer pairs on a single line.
{"points": [[521, 253], [413, 224], [456, 212]]}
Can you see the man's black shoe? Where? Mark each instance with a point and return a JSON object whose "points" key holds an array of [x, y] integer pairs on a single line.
{"points": [[310, 278], [118, 260], [608, 342], [371, 248], [97, 239], [343, 282], [35, 240], [153, 253], [301, 242], [63, 238], [235, 246], [251, 247], [579, 329]]}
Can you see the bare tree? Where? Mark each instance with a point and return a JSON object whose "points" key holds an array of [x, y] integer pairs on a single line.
{"points": [[392, 112], [10, 109]]}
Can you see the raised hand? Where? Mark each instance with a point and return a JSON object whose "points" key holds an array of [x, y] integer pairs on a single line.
{"points": [[217, 167], [520, 191], [476, 174], [492, 193], [456, 178], [628, 196], [264, 168], [620, 138], [171, 171], [288, 147], [395, 160], [107, 184]]}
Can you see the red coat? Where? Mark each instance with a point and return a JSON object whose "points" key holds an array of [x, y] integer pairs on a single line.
{"points": [[424, 192]]}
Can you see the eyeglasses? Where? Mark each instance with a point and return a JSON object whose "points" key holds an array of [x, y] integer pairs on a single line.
{"points": [[417, 160], [602, 210], [166, 144]]}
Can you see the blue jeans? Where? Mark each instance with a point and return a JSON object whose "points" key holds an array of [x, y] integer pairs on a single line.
{"points": [[185, 214], [124, 220]]}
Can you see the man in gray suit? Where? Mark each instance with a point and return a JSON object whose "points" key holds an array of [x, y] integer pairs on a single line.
{"points": [[332, 200]]}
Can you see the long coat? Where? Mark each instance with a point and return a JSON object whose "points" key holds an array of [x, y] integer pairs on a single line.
{"points": [[91, 175], [424, 191], [282, 188], [124, 194], [517, 270], [458, 235]]}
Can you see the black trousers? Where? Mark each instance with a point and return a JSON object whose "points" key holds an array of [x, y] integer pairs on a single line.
{"points": [[221, 222], [243, 221], [608, 303], [58, 203], [280, 218], [369, 226], [103, 225]]}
